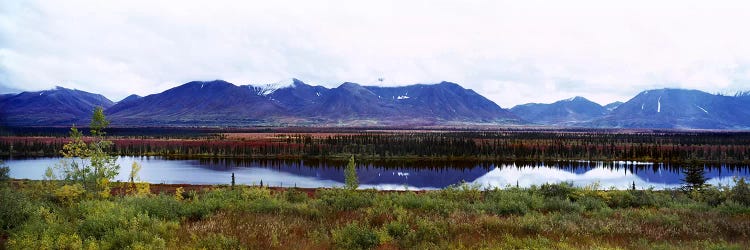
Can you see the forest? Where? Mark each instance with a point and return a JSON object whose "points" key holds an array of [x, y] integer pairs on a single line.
{"points": [[501, 145]]}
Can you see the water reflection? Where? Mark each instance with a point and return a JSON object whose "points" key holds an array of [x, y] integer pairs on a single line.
{"points": [[397, 175]]}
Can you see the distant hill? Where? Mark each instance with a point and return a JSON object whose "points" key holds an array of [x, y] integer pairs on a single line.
{"points": [[55, 107], [566, 112], [129, 98], [679, 108]]}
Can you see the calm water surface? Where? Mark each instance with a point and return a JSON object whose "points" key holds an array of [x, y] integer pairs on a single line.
{"points": [[620, 175]]}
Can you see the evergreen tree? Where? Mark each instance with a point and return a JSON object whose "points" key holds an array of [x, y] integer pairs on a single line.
{"points": [[695, 177], [352, 181]]}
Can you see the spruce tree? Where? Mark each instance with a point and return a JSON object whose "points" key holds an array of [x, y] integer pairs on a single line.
{"points": [[352, 182], [695, 177]]}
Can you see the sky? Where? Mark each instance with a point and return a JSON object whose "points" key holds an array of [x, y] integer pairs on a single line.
{"points": [[512, 52]]}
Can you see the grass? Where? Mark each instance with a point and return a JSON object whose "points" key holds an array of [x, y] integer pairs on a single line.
{"points": [[555, 216]]}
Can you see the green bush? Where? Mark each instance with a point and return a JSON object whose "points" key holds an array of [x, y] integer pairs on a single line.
{"points": [[398, 230], [733, 208], [254, 193], [463, 193], [511, 201], [531, 223], [69, 194], [592, 204], [101, 217], [14, 209], [562, 190], [561, 205], [740, 192], [162, 206], [217, 241], [507, 207], [98, 224], [344, 199], [295, 196], [267, 205], [713, 196], [430, 230], [355, 236], [621, 199], [425, 202], [643, 198], [138, 232], [4, 172]]}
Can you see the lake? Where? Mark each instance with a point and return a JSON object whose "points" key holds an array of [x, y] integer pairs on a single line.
{"points": [[313, 174]]}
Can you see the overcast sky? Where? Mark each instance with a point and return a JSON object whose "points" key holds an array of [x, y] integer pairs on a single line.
{"points": [[512, 52]]}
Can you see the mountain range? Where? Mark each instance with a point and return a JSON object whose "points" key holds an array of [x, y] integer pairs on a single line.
{"points": [[295, 103]]}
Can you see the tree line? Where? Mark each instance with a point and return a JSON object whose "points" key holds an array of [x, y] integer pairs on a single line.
{"points": [[517, 146]]}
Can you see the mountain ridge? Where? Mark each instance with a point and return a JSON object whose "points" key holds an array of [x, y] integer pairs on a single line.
{"points": [[295, 103]]}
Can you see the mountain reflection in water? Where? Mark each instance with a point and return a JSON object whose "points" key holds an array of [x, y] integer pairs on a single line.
{"points": [[396, 175]]}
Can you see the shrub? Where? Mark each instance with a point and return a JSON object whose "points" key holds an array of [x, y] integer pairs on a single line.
{"points": [[740, 192], [561, 205], [266, 205], [178, 194], [4, 172], [217, 241], [14, 209], [463, 193], [384, 210], [355, 236], [140, 232], [254, 193], [341, 199], [295, 196], [160, 206], [511, 201], [621, 199], [562, 190], [69, 194], [733, 208], [712, 195], [506, 207], [642, 198], [531, 223], [425, 202], [430, 230], [592, 204], [397, 230]]}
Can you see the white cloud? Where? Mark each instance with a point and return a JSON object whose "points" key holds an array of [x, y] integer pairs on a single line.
{"points": [[511, 51]]}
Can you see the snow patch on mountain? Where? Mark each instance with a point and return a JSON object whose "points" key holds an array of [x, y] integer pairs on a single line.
{"points": [[704, 110], [270, 88], [658, 105]]}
